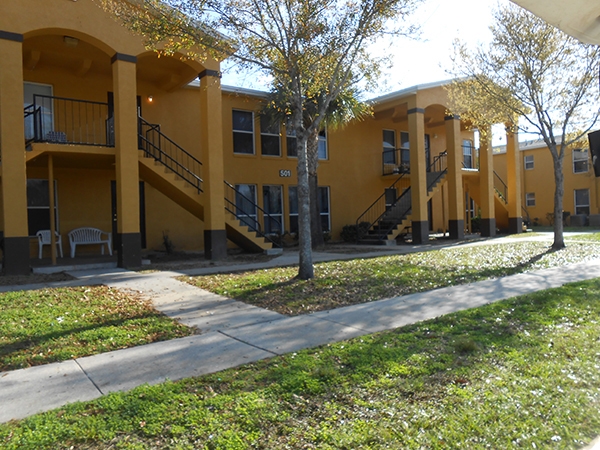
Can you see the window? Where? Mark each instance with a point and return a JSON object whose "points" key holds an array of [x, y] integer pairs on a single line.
{"points": [[389, 147], [269, 137], [582, 201], [273, 205], [528, 162], [243, 132], [38, 206], [467, 146], [245, 204], [323, 208], [323, 144], [404, 148], [293, 200], [292, 146], [580, 160], [530, 199]]}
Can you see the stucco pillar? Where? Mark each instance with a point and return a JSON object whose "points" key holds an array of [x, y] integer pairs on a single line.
{"points": [[128, 237], [513, 169], [418, 174], [456, 204], [12, 148], [486, 174], [211, 141]]}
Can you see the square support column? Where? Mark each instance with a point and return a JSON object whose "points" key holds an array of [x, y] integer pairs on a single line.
{"points": [[456, 195], [418, 175], [127, 170], [513, 169], [486, 174], [12, 147], [211, 140]]}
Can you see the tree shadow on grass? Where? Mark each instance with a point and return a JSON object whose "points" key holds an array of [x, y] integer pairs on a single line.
{"points": [[75, 346]]}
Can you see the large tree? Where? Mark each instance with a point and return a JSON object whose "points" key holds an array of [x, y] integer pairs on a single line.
{"points": [[310, 47], [345, 108], [532, 77]]}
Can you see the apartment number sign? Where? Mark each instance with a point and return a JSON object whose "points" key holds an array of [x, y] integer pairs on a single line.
{"points": [[284, 173]]}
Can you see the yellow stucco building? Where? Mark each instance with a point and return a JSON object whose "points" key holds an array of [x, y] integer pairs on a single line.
{"points": [[581, 200], [142, 147]]}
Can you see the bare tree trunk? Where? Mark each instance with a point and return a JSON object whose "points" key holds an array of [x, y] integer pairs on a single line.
{"points": [[559, 191], [305, 269], [316, 228]]}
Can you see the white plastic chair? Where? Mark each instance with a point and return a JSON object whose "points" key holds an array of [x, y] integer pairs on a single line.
{"points": [[44, 239]]}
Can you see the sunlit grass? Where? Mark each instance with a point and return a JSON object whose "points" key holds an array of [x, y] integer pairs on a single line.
{"points": [[521, 373]]}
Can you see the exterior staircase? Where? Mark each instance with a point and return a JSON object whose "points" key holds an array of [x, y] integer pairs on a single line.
{"points": [[391, 219], [176, 174]]}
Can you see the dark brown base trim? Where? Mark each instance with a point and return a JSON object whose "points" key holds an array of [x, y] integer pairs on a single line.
{"points": [[488, 227], [16, 256], [515, 225], [130, 250], [457, 229], [215, 244], [420, 232]]}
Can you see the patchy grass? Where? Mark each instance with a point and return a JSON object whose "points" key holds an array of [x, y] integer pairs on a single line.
{"points": [[341, 283], [594, 237], [49, 325], [521, 373]]}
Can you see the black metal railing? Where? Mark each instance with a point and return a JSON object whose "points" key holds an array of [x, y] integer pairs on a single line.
{"points": [[500, 187], [67, 121], [157, 145], [395, 161], [249, 214], [384, 202], [385, 213]]}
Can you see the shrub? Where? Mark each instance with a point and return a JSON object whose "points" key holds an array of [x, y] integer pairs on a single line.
{"points": [[353, 232]]}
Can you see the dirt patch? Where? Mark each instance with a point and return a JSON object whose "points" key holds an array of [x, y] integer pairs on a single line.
{"points": [[193, 260], [37, 278]]}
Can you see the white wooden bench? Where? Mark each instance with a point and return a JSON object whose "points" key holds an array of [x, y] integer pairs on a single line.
{"points": [[89, 236]]}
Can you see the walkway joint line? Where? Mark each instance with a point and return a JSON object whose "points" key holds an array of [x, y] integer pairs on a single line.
{"points": [[88, 377]]}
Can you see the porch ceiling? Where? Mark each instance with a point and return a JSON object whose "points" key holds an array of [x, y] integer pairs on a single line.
{"points": [[82, 58], [59, 51]]}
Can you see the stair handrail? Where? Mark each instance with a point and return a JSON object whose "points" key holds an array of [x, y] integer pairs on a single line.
{"points": [[378, 200], [502, 193], [253, 225], [439, 162], [438, 166], [172, 163]]}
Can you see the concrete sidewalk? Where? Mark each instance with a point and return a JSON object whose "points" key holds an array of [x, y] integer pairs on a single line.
{"points": [[233, 333]]}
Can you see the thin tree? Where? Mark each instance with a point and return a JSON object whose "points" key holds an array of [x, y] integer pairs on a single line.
{"points": [[536, 79], [341, 111], [310, 47]]}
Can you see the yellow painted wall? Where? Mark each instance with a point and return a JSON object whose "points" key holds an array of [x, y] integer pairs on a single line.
{"points": [[540, 180]]}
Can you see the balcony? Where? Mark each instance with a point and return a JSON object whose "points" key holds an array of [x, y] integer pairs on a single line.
{"points": [[61, 120]]}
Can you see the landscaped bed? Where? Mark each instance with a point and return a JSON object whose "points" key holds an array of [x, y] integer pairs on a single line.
{"points": [[341, 283], [521, 373], [48, 325]]}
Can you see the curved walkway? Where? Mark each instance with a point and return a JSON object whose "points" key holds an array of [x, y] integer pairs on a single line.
{"points": [[232, 333]]}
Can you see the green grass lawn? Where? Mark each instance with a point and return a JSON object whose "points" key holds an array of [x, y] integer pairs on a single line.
{"points": [[48, 325], [341, 283], [521, 373]]}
